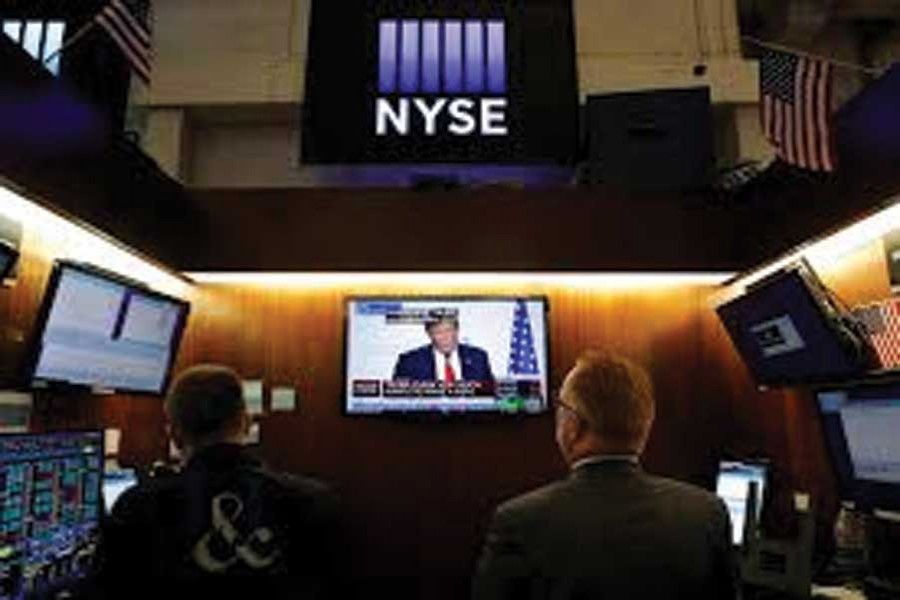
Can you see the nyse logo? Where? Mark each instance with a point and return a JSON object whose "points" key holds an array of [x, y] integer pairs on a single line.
{"points": [[441, 74]]}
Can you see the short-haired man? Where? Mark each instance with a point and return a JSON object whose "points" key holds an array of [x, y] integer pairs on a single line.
{"points": [[225, 526], [444, 358], [609, 530]]}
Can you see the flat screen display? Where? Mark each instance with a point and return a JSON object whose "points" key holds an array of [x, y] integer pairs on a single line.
{"points": [[49, 512], [116, 483], [99, 331], [861, 425], [733, 487], [446, 355], [784, 334], [8, 258]]}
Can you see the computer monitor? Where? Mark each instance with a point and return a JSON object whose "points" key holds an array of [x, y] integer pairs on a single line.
{"points": [[100, 331], [861, 424], [788, 330], [733, 487], [49, 512], [8, 258], [446, 355], [116, 483]]}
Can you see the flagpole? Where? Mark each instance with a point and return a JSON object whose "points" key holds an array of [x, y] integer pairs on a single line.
{"points": [[838, 63], [72, 40]]}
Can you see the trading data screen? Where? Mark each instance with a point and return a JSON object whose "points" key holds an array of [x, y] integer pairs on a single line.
{"points": [[733, 487], [861, 426], [104, 333], [50, 508]]}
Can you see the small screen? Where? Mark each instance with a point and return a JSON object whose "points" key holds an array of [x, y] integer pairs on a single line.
{"points": [[49, 512], [105, 333], [733, 487], [784, 334], [446, 355], [8, 258], [861, 427], [116, 483]]}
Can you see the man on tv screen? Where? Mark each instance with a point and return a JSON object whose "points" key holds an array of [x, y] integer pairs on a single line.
{"points": [[444, 359]]}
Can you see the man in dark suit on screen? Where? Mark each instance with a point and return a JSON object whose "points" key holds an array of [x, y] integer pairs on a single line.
{"points": [[444, 359], [608, 530]]}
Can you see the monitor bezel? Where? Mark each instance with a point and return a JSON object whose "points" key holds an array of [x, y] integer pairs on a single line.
{"points": [[766, 493], [866, 495], [13, 253], [437, 415], [32, 382]]}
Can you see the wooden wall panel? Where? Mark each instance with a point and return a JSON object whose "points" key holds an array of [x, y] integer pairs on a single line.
{"points": [[421, 493]]}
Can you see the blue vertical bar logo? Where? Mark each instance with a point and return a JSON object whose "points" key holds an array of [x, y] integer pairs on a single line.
{"points": [[442, 56]]}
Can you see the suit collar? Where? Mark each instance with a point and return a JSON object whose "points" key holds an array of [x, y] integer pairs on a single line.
{"points": [[601, 464]]}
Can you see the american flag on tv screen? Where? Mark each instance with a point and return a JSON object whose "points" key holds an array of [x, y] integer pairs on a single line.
{"points": [[882, 323], [130, 33], [795, 95], [522, 357]]}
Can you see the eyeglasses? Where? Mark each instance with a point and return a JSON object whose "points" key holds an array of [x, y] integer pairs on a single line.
{"points": [[560, 403]]}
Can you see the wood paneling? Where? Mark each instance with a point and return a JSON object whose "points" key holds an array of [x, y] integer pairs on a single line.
{"points": [[420, 493], [466, 230]]}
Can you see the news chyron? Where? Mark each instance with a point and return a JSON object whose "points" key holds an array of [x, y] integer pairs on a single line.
{"points": [[446, 355]]}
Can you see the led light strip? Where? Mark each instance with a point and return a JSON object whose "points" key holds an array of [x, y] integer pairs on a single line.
{"points": [[828, 250], [82, 243], [451, 279]]}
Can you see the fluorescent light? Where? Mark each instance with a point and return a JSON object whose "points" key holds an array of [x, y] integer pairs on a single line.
{"points": [[66, 239], [463, 279], [827, 251]]}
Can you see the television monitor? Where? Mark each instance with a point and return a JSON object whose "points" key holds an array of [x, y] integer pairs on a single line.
{"points": [[861, 424], [733, 487], [51, 508], [8, 258], [115, 483], [447, 355], [98, 330], [789, 330]]}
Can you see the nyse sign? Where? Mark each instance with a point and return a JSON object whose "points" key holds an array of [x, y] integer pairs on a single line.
{"points": [[441, 76]]}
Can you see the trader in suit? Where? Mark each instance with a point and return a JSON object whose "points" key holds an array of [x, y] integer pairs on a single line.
{"points": [[444, 359], [608, 530]]}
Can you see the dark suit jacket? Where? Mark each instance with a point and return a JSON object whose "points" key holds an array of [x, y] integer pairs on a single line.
{"points": [[609, 531], [418, 364], [152, 537]]}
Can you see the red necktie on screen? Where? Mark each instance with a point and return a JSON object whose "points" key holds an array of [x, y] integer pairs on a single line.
{"points": [[449, 375]]}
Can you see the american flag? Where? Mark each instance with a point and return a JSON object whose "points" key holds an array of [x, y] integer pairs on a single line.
{"points": [[795, 92], [130, 34], [522, 358], [882, 323]]}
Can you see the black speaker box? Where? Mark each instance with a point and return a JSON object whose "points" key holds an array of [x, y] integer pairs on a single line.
{"points": [[654, 140]]}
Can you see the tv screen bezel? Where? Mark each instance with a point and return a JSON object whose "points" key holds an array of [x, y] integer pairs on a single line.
{"points": [[428, 415], [866, 495], [13, 253], [33, 382]]}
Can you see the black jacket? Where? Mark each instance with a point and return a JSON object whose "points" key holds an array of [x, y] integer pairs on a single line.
{"points": [[609, 531], [226, 527]]}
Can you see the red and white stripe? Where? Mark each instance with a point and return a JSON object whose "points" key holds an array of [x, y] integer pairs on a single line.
{"points": [[801, 130], [882, 321]]}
